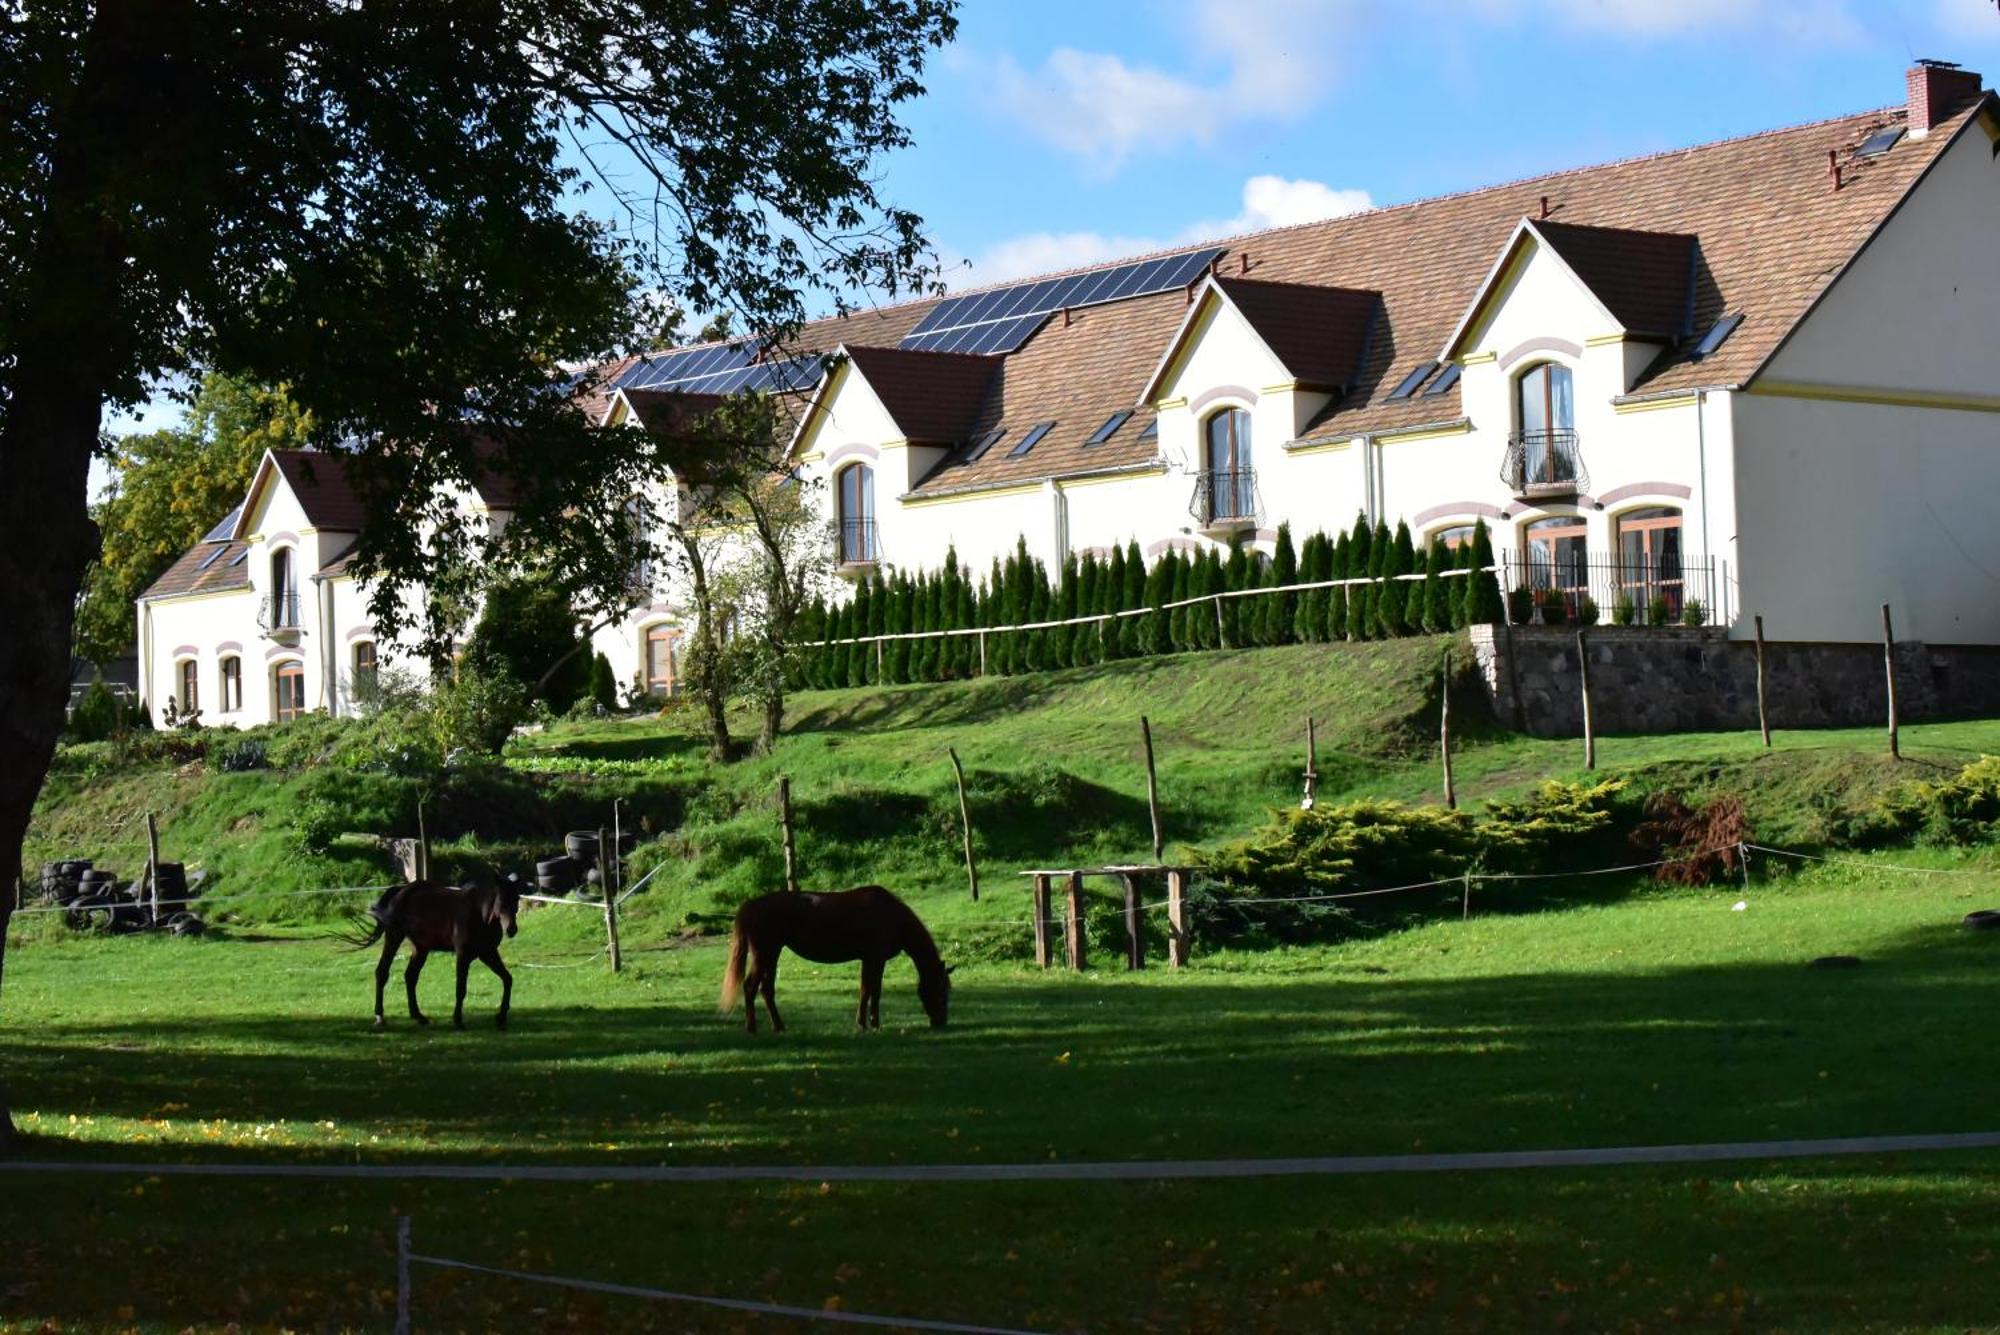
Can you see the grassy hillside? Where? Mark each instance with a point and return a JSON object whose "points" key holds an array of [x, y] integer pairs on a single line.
{"points": [[1054, 766]]}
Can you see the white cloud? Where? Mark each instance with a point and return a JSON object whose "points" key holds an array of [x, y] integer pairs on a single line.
{"points": [[1822, 20], [1973, 20], [1267, 201]]}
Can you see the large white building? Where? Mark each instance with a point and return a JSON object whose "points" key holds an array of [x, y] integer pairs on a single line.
{"points": [[1759, 373]]}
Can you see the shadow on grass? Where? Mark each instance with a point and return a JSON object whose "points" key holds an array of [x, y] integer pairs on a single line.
{"points": [[1101, 1067]]}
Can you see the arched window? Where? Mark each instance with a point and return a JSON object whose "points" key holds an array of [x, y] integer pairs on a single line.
{"points": [[364, 666], [190, 685], [1545, 418], [660, 641], [284, 600], [1649, 560], [288, 690], [1229, 478], [1558, 557], [231, 681], [857, 514]]}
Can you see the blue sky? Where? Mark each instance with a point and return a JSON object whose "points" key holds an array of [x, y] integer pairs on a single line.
{"points": [[1060, 132]]}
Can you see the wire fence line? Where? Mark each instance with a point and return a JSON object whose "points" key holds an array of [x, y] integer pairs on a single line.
{"points": [[1093, 618], [406, 1259]]}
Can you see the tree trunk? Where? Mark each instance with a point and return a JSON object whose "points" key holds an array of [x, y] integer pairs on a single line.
{"points": [[774, 720]]}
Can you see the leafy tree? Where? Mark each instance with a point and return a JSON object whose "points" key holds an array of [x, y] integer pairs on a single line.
{"points": [[168, 489], [603, 684], [528, 632], [372, 205]]}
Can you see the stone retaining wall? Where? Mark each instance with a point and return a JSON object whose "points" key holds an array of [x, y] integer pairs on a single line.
{"points": [[1688, 680]]}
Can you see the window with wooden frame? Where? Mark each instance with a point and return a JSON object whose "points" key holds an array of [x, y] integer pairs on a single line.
{"points": [[229, 677], [190, 685], [1649, 556], [1453, 538], [1558, 552], [660, 642], [288, 690], [364, 665], [857, 514], [1232, 481], [1545, 418]]}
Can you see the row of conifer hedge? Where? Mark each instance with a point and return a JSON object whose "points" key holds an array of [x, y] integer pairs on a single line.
{"points": [[1021, 590]]}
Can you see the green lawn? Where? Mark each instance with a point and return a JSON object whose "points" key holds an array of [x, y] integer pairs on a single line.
{"points": [[1635, 1016]]}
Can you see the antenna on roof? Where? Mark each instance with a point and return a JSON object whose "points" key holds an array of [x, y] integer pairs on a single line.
{"points": [[1930, 63]]}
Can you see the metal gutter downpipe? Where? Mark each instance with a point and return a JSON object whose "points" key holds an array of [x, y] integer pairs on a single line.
{"points": [[326, 693], [1701, 469]]}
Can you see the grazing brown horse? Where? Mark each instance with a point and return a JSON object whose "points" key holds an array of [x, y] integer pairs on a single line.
{"points": [[868, 924], [467, 920]]}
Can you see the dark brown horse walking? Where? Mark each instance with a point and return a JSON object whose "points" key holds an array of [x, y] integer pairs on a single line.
{"points": [[868, 924], [468, 920]]}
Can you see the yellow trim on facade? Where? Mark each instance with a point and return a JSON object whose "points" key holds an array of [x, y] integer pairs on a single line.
{"points": [[1197, 330], [1882, 395], [1167, 405], [1603, 340], [812, 458], [1072, 483], [1494, 295], [1479, 358], [200, 594], [1434, 433], [1653, 405], [1321, 446], [984, 494], [1281, 387]]}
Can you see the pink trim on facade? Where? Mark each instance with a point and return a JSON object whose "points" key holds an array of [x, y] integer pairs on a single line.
{"points": [[229, 647], [276, 652], [1177, 542], [1452, 509], [187, 651], [271, 540], [843, 454], [1617, 494], [360, 633], [1222, 392], [1533, 345]]}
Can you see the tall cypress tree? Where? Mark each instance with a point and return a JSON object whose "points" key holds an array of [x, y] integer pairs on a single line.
{"points": [[1278, 620], [1387, 596], [1437, 613], [1360, 565], [1154, 634], [1111, 597], [993, 606], [1306, 617], [1483, 603], [1131, 629], [1407, 563], [1336, 598], [1457, 590], [966, 659], [895, 621], [1083, 635], [1237, 574], [1062, 640], [1177, 591]]}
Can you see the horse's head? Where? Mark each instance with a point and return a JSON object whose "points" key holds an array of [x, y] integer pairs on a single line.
{"points": [[506, 903], [934, 991]]}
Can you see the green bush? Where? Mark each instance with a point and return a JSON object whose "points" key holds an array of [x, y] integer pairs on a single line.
{"points": [[1658, 611], [526, 627], [1586, 611], [1625, 611], [1520, 605], [1694, 614], [97, 715], [603, 685], [1559, 824], [1959, 810]]}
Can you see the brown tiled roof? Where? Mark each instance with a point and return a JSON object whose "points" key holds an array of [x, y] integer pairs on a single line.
{"points": [[1772, 235], [933, 397], [1319, 333], [320, 482], [206, 567], [1645, 279]]}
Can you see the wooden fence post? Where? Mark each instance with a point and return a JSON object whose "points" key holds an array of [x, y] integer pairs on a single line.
{"points": [[153, 865], [1444, 733], [1763, 715], [1135, 944], [1889, 668], [1041, 920], [1312, 765], [1152, 791], [423, 846], [606, 855], [1073, 931], [965, 821], [1583, 675], [785, 824], [1178, 939]]}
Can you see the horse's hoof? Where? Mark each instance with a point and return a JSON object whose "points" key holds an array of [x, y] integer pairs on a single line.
{"points": [[421, 1019], [458, 1025], [381, 1023], [500, 1023]]}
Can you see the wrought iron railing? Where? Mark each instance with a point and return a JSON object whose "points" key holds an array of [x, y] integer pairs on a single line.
{"points": [[1608, 591], [278, 611], [1544, 463], [857, 543], [1225, 495]]}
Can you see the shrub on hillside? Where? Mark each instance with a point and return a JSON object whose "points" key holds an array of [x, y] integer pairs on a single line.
{"points": [[1354, 845], [1959, 810], [1558, 825], [97, 715], [1696, 845]]}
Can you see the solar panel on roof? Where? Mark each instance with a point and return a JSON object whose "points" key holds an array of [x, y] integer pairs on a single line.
{"points": [[1717, 332], [221, 532], [983, 444], [1110, 427], [1028, 442], [1412, 380], [1875, 145], [1004, 318], [1443, 382]]}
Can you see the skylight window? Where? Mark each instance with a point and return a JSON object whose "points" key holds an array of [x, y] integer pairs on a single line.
{"points": [[1412, 380], [1445, 381], [241, 557], [1035, 433], [1879, 143], [211, 558], [1717, 332], [1110, 427], [983, 444], [1152, 431]]}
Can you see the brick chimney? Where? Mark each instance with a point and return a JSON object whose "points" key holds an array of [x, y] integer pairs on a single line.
{"points": [[1937, 89]]}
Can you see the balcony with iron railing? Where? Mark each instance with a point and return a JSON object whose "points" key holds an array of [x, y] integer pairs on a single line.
{"points": [[278, 617], [857, 547], [1675, 591], [1225, 498], [1542, 465]]}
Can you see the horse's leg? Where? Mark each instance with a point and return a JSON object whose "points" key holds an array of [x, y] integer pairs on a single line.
{"points": [[410, 973], [770, 981], [861, 1001], [390, 945], [753, 978], [464, 968], [491, 959], [871, 990]]}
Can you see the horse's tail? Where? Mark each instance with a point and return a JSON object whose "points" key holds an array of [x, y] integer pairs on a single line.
{"points": [[365, 929], [732, 975]]}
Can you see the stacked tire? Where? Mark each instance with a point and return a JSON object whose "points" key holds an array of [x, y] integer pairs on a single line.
{"points": [[557, 876], [170, 881], [62, 882]]}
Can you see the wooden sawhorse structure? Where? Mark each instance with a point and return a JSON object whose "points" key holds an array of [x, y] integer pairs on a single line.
{"points": [[1135, 940]]}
